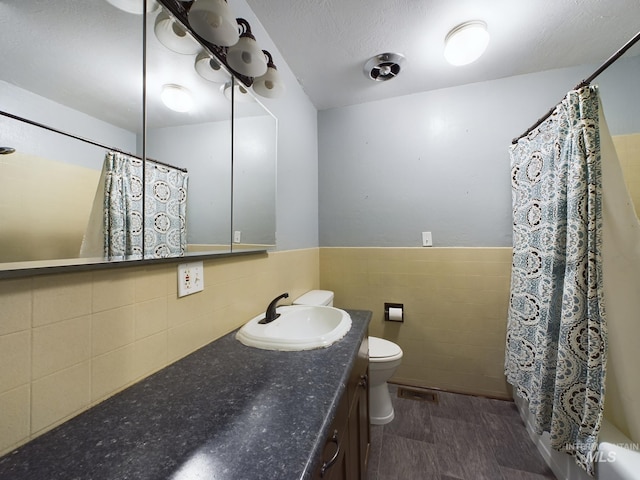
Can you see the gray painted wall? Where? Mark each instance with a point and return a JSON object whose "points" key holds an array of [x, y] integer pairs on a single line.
{"points": [[439, 161], [297, 178]]}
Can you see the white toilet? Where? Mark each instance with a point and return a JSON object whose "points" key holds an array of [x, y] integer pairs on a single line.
{"points": [[384, 359]]}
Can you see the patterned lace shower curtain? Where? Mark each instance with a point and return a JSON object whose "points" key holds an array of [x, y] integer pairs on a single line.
{"points": [[556, 335], [164, 222]]}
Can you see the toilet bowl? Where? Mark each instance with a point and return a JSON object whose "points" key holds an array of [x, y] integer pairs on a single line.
{"points": [[384, 359]]}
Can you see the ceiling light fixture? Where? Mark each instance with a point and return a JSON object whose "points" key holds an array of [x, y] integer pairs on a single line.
{"points": [[214, 21], [270, 84], [173, 35], [466, 42], [176, 97], [384, 66], [246, 57]]}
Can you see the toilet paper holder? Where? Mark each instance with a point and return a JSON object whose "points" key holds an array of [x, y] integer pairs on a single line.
{"points": [[393, 312]]}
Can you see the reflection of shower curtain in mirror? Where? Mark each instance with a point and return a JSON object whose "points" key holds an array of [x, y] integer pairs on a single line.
{"points": [[165, 202]]}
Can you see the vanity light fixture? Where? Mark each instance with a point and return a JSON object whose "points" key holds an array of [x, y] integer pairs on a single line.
{"points": [[269, 85], [466, 42], [176, 97], [210, 69], [173, 35], [246, 57], [229, 45], [214, 21], [240, 93], [134, 6]]}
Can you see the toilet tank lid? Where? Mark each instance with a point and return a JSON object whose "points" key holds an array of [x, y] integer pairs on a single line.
{"points": [[315, 297], [381, 348]]}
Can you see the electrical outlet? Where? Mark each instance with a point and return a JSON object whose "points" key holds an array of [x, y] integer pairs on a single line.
{"points": [[190, 278], [427, 241], [236, 236]]}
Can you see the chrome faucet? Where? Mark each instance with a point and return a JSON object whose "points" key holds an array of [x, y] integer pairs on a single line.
{"points": [[270, 314]]}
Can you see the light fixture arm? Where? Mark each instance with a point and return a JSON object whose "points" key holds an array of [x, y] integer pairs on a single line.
{"points": [[270, 63], [245, 28]]}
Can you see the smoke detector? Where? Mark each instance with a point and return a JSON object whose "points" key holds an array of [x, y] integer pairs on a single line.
{"points": [[384, 66]]}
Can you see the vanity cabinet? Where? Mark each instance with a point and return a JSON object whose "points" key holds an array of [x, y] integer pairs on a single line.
{"points": [[346, 451]]}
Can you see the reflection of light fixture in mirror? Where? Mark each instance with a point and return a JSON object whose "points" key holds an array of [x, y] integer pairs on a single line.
{"points": [[466, 42], [240, 94], [270, 84], [209, 68], [214, 21], [246, 57], [173, 36], [134, 6], [176, 98]]}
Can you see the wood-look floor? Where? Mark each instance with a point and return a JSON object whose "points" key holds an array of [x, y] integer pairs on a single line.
{"points": [[461, 437]]}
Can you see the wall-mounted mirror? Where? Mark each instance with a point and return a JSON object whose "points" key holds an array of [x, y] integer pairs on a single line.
{"points": [[254, 175], [74, 71], [195, 135], [75, 67]]}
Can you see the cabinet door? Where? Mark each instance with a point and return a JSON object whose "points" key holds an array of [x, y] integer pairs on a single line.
{"points": [[364, 428], [346, 451], [359, 433], [333, 463]]}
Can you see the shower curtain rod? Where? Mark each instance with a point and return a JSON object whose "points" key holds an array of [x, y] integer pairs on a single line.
{"points": [[86, 140], [584, 83]]}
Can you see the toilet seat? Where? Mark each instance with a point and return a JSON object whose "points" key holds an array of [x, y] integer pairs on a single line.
{"points": [[381, 350]]}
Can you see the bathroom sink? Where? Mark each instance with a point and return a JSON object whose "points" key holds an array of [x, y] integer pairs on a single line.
{"points": [[297, 328]]}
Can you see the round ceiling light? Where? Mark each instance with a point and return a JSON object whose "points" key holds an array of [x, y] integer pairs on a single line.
{"points": [[384, 67], [177, 98], [466, 42]]}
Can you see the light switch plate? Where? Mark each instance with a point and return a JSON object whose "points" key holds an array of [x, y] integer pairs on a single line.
{"points": [[427, 241], [190, 278]]}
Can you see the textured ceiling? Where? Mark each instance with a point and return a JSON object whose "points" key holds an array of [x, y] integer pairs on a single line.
{"points": [[90, 57], [327, 42]]}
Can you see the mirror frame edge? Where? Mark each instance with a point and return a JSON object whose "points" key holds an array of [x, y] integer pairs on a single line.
{"points": [[105, 265]]}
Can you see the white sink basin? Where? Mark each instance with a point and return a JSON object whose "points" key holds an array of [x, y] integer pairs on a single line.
{"points": [[298, 327]]}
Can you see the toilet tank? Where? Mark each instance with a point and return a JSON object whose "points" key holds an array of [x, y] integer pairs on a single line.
{"points": [[316, 297]]}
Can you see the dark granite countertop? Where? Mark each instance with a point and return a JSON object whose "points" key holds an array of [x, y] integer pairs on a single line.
{"points": [[224, 412]]}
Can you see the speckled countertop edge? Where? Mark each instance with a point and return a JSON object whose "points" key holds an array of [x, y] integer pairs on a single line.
{"points": [[223, 412]]}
